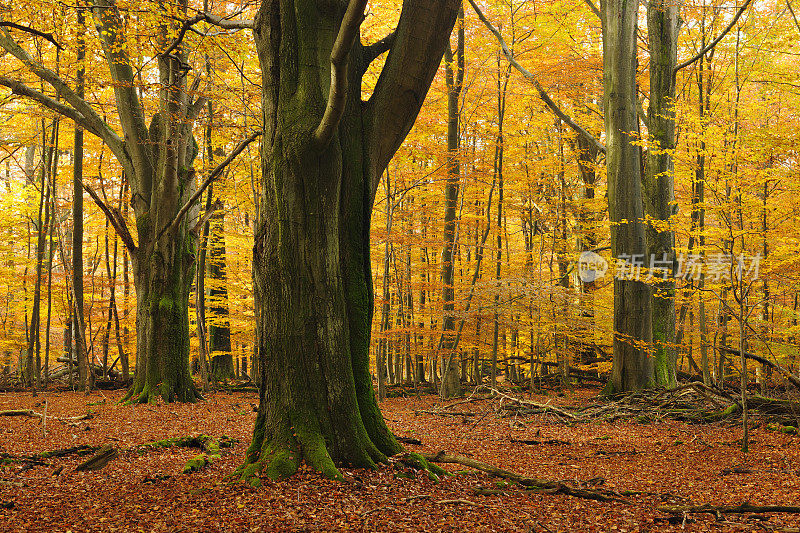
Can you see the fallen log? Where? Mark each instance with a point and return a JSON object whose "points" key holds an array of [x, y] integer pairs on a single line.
{"points": [[100, 459], [723, 509], [445, 413], [764, 361]]}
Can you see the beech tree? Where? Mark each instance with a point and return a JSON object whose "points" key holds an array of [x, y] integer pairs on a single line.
{"points": [[157, 162], [323, 152]]}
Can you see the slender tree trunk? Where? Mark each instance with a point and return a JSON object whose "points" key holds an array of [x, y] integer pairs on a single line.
{"points": [[126, 303], [50, 255], [33, 354], [451, 384], [219, 331], [79, 324], [385, 306]]}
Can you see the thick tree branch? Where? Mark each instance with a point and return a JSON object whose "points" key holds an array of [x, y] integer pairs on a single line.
{"points": [[21, 89], [109, 27], [211, 177], [228, 24], [422, 34], [114, 217], [373, 51], [27, 29], [542, 94], [714, 43], [337, 94], [98, 126]]}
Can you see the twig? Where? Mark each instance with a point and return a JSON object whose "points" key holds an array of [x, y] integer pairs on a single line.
{"points": [[459, 501]]}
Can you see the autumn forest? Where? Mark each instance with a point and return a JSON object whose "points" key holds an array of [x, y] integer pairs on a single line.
{"points": [[502, 265]]}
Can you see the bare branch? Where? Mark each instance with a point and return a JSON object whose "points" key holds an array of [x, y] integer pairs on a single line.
{"points": [[713, 43], [210, 179], [46, 36], [114, 217], [542, 94], [337, 94], [222, 22]]}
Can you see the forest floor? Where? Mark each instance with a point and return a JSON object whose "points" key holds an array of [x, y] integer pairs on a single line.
{"points": [[664, 463]]}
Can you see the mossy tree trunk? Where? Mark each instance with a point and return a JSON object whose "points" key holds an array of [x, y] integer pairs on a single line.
{"points": [[313, 290], [162, 283], [659, 189]]}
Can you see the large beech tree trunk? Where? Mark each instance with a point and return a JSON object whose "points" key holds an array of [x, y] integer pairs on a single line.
{"points": [[162, 283], [313, 292], [632, 367]]}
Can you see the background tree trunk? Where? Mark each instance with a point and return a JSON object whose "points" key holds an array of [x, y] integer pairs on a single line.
{"points": [[451, 383]]}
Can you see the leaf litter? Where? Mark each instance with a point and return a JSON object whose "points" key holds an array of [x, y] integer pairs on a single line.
{"points": [[668, 463]]}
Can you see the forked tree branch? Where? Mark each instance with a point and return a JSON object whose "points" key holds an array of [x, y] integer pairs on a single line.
{"points": [[421, 36], [714, 43], [211, 177], [337, 94], [542, 93], [109, 25]]}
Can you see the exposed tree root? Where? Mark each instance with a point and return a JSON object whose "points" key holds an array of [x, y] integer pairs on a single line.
{"points": [[143, 392], [420, 462], [210, 447], [529, 483]]}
